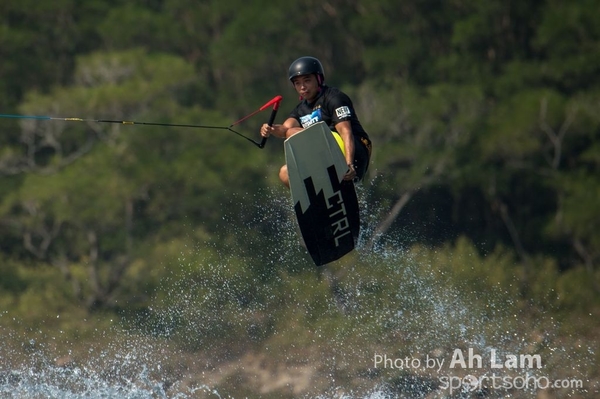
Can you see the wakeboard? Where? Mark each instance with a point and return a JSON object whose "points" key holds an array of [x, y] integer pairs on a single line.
{"points": [[326, 206]]}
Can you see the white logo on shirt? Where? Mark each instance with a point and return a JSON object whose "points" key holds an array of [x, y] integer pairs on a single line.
{"points": [[343, 112], [311, 119]]}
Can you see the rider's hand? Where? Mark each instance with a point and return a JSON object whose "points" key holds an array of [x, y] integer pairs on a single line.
{"points": [[351, 174]]}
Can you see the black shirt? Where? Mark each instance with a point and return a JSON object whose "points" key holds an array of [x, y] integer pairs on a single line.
{"points": [[331, 106]]}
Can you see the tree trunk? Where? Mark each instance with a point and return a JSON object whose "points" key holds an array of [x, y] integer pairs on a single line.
{"points": [[386, 223]]}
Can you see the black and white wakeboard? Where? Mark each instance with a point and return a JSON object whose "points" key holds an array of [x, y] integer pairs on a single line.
{"points": [[326, 205]]}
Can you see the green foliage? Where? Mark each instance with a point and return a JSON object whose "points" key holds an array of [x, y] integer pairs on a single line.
{"points": [[484, 117], [12, 283], [569, 36], [38, 43], [100, 197]]}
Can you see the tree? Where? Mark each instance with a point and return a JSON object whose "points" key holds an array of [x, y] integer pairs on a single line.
{"points": [[75, 205]]}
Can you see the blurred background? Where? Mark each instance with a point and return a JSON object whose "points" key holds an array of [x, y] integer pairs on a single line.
{"points": [[144, 261]]}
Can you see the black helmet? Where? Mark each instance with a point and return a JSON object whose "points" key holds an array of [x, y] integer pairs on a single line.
{"points": [[306, 66]]}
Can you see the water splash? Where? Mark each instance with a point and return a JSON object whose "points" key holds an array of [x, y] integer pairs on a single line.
{"points": [[128, 373], [255, 318]]}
